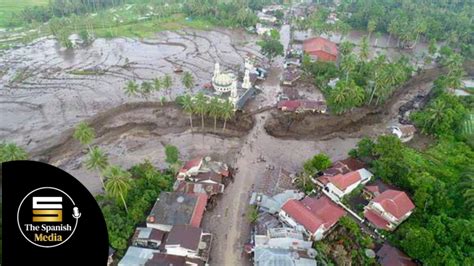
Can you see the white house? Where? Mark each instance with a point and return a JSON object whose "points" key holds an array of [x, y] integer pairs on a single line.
{"points": [[314, 217], [389, 209], [340, 185], [283, 238]]}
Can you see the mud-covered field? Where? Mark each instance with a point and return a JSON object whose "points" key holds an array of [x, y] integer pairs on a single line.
{"points": [[45, 90]]}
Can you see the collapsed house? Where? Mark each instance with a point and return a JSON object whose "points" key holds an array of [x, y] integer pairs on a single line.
{"points": [[404, 132], [301, 106]]}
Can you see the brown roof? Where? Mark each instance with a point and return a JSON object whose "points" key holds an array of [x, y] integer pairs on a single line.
{"points": [[213, 176], [186, 236], [391, 256], [395, 202], [162, 259], [376, 187], [344, 166], [178, 208], [191, 187], [320, 44]]}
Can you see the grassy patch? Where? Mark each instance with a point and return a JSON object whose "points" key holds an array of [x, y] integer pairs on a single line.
{"points": [[86, 72], [9, 7]]}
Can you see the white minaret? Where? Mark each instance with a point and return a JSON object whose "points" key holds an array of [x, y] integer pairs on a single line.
{"points": [[246, 83], [234, 96], [217, 69]]}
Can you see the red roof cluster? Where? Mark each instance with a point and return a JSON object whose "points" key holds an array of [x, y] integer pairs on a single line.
{"points": [[313, 213], [395, 202]]}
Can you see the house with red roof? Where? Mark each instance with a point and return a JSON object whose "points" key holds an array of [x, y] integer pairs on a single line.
{"points": [[319, 48], [339, 185], [313, 216], [389, 209]]}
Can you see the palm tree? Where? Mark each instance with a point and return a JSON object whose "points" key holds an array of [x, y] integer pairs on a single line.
{"points": [[157, 84], [201, 106], [215, 109], [146, 88], [346, 48], [371, 26], [118, 183], [188, 107], [227, 112], [348, 64], [11, 152], [364, 49], [84, 134], [167, 82], [131, 89], [188, 80], [437, 111], [97, 160]]}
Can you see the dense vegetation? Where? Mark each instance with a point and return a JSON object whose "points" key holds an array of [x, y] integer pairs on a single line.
{"points": [[360, 80], [412, 21], [131, 18], [439, 181], [145, 186]]}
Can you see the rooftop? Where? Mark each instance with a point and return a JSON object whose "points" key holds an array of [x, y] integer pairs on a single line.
{"points": [[395, 202], [281, 257], [391, 256], [136, 256], [320, 44], [312, 212], [191, 187], [173, 208], [186, 236]]}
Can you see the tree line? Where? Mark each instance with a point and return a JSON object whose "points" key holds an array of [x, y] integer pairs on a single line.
{"points": [[146, 88], [203, 106], [411, 21]]}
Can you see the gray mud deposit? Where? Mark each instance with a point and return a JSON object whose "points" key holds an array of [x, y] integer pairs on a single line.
{"points": [[44, 89]]}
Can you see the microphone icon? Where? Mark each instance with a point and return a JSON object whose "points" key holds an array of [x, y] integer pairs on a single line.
{"points": [[75, 213]]}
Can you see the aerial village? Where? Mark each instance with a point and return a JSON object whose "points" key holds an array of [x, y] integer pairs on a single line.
{"points": [[291, 157], [287, 222]]}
